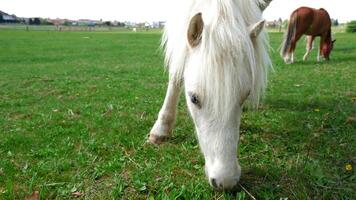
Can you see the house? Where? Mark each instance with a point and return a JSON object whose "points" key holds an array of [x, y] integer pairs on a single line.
{"points": [[6, 18]]}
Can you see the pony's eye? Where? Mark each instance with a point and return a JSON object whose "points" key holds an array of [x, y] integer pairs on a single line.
{"points": [[194, 99]]}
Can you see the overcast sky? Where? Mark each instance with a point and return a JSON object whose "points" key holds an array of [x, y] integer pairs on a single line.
{"points": [[153, 10]]}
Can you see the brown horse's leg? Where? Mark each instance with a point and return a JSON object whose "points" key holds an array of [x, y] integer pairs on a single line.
{"points": [[322, 40], [286, 58], [309, 47], [289, 58], [293, 46]]}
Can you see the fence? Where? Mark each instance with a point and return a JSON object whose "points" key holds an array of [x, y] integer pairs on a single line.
{"points": [[70, 28], [335, 29]]}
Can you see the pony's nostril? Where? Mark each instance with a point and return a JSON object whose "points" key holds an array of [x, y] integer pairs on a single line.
{"points": [[213, 182]]}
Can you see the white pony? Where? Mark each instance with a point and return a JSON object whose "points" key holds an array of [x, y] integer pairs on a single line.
{"points": [[218, 50]]}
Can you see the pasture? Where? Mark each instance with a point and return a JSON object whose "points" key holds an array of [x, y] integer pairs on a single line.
{"points": [[76, 109]]}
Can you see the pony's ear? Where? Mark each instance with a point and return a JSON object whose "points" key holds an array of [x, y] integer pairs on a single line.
{"points": [[255, 29], [195, 30], [333, 41]]}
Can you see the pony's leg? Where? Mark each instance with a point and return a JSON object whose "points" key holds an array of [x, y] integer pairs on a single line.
{"points": [[309, 47], [167, 115]]}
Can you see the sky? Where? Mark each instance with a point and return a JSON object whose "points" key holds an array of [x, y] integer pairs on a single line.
{"points": [[154, 10]]}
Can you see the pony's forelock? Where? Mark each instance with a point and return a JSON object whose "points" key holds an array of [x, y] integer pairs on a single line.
{"points": [[231, 62]]}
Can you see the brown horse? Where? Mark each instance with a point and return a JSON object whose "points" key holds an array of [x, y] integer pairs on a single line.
{"points": [[311, 22]]}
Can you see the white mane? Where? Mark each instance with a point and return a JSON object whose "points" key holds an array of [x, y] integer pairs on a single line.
{"points": [[231, 61]]}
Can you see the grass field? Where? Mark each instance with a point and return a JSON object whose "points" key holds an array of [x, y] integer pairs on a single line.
{"points": [[76, 108]]}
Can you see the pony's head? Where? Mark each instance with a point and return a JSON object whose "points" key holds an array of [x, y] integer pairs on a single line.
{"points": [[226, 62], [327, 48]]}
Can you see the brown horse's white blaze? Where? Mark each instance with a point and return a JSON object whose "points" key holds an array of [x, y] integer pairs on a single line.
{"points": [[217, 49], [311, 22]]}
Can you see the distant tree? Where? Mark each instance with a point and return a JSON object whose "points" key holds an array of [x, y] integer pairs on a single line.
{"points": [[37, 21], [45, 22], [1, 18], [334, 22], [121, 24], [67, 23], [107, 23], [280, 23], [351, 27], [30, 21]]}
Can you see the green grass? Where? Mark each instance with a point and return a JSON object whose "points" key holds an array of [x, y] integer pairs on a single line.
{"points": [[76, 108]]}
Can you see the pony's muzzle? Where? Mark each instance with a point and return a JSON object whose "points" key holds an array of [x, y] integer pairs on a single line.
{"points": [[224, 182], [224, 185]]}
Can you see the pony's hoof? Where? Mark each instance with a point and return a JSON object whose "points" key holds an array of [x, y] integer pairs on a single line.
{"points": [[155, 139]]}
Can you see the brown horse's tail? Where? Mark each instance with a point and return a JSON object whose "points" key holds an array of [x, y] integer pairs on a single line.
{"points": [[290, 34]]}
